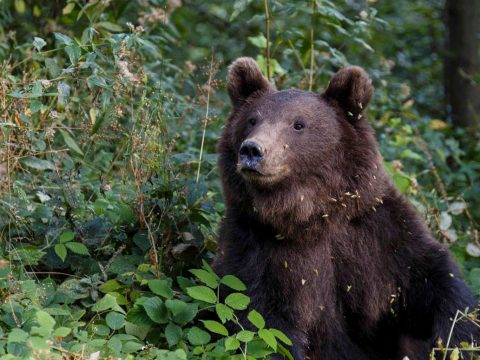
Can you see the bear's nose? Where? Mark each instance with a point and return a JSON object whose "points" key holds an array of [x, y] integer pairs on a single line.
{"points": [[251, 153]]}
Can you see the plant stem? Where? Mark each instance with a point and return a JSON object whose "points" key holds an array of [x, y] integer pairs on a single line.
{"points": [[267, 26], [210, 75], [312, 58]]}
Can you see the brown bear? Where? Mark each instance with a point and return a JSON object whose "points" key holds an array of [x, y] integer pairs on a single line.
{"points": [[331, 253]]}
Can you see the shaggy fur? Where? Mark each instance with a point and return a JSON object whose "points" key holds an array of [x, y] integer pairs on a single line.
{"points": [[331, 253]]}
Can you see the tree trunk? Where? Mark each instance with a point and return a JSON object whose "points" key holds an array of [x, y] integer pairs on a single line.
{"points": [[462, 62]]}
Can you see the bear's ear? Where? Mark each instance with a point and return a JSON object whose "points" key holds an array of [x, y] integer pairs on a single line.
{"points": [[244, 79], [352, 89]]}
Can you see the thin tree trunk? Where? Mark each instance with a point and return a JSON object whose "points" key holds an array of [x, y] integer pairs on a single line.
{"points": [[462, 62]]}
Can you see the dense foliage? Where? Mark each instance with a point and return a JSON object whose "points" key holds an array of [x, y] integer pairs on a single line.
{"points": [[109, 191]]}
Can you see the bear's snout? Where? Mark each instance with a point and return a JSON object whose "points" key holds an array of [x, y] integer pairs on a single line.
{"points": [[251, 154]]}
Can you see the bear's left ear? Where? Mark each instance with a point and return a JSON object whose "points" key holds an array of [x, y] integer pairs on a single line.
{"points": [[245, 79], [352, 89]]}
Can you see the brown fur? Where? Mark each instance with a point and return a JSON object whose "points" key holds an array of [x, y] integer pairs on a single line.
{"points": [[330, 251]]}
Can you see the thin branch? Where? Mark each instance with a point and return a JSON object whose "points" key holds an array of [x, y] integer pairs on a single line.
{"points": [[267, 26], [210, 75], [312, 49]]}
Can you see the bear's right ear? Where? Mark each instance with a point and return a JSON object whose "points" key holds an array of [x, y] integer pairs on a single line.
{"points": [[352, 89], [244, 79]]}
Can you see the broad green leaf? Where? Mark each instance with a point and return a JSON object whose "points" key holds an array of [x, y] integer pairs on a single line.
{"points": [[77, 248], [67, 236], [62, 331], [197, 336], [206, 277], [17, 335], [237, 301], [109, 286], [402, 182], [256, 319], [39, 43], [161, 287], [245, 335], [63, 39], [259, 41], [115, 320], [215, 327], [281, 336], [224, 312], [173, 333], [115, 345], [156, 310], [61, 251], [268, 337], [38, 164], [45, 323], [233, 282], [175, 306], [202, 293], [187, 315], [231, 344], [105, 303]]}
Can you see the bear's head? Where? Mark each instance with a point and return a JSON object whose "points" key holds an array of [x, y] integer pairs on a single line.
{"points": [[287, 156]]}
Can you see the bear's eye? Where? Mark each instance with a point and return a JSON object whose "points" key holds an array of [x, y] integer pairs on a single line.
{"points": [[298, 125], [252, 121]]}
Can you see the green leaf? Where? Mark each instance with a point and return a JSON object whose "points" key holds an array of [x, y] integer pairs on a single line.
{"points": [[207, 278], [402, 182], [233, 282], [173, 333], [259, 41], [161, 287], [245, 335], [45, 320], [186, 315], [19, 6], [207, 267], [67, 236], [62, 331], [281, 336], [256, 319], [231, 343], [68, 8], [156, 310], [109, 286], [38, 164], [224, 312], [39, 43], [268, 337], [74, 52], [237, 301], [17, 335], [77, 248], [105, 303], [197, 336], [175, 306], [202, 293], [215, 327], [115, 345], [71, 144], [63, 39], [61, 251], [115, 320], [110, 26]]}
